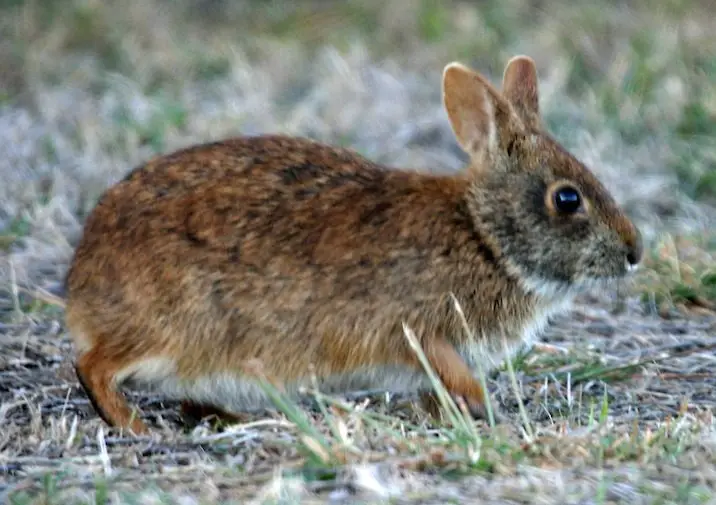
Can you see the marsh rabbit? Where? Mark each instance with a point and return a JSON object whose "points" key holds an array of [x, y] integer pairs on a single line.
{"points": [[308, 258]]}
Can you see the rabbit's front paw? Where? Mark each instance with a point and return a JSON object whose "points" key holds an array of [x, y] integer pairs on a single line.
{"points": [[478, 410]]}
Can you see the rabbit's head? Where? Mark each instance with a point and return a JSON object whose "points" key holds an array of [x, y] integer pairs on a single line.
{"points": [[546, 214]]}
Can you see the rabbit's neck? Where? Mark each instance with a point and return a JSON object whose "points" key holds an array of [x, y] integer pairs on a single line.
{"points": [[522, 319], [491, 350]]}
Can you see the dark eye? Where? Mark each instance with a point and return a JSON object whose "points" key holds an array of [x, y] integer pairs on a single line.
{"points": [[567, 200]]}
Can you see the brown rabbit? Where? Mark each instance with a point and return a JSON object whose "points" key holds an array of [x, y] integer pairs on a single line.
{"points": [[294, 254]]}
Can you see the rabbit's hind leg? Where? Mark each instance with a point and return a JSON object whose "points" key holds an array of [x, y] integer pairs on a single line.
{"points": [[97, 376]]}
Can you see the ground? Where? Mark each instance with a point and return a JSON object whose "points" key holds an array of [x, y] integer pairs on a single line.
{"points": [[615, 405]]}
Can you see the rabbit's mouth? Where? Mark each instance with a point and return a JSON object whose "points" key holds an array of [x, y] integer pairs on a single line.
{"points": [[631, 268]]}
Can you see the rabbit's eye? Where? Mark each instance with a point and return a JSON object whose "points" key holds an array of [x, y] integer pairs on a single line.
{"points": [[567, 200]]}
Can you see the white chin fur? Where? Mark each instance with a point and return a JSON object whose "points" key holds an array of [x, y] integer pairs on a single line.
{"points": [[551, 290], [554, 291]]}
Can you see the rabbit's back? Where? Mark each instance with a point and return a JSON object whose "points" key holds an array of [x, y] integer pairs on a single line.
{"points": [[276, 208]]}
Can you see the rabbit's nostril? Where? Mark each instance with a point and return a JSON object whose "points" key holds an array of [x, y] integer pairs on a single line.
{"points": [[632, 258], [635, 248]]}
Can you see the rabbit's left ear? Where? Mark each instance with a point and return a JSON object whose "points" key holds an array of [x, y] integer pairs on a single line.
{"points": [[482, 118], [520, 87]]}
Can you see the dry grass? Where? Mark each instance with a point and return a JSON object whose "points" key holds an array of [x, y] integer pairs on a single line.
{"points": [[617, 402]]}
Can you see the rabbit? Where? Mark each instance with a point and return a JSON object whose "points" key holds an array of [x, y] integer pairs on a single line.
{"points": [[307, 260]]}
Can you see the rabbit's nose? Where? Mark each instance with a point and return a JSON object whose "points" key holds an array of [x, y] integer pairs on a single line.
{"points": [[635, 246]]}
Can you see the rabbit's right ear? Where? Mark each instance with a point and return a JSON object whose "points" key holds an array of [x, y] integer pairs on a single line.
{"points": [[520, 87], [483, 120]]}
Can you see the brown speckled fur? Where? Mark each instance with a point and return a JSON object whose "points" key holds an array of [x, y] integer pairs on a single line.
{"points": [[294, 254]]}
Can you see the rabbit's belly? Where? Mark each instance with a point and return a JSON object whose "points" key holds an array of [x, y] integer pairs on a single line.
{"points": [[234, 393], [394, 379]]}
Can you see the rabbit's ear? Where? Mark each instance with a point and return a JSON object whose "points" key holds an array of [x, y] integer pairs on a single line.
{"points": [[484, 122], [519, 86]]}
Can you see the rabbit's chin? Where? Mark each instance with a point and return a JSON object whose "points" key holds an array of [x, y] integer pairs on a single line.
{"points": [[557, 291]]}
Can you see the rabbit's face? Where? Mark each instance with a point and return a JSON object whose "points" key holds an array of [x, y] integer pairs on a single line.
{"points": [[550, 217], [554, 224]]}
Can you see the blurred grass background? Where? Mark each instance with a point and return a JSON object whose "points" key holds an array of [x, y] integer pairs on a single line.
{"points": [[650, 66], [89, 88]]}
